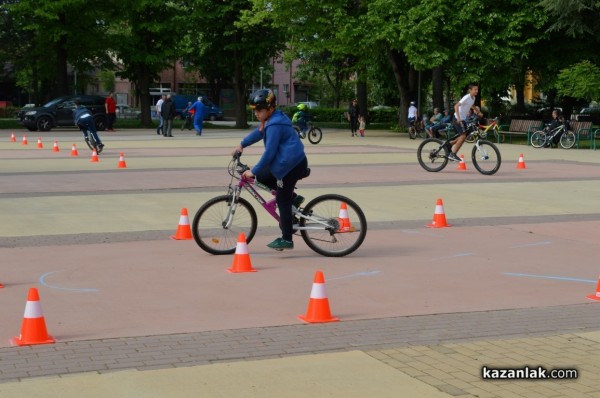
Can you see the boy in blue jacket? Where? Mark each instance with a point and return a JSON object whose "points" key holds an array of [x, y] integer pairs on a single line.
{"points": [[282, 164]]}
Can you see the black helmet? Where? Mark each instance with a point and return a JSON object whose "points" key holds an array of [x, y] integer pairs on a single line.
{"points": [[262, 99]]}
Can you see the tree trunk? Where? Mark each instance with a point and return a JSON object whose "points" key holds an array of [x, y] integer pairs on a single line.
{"points": [[241, 120], [61, 82], [400, 67], [438, 88], [143, 85]]}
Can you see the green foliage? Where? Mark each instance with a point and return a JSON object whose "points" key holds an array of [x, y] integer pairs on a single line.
{"points": [[107, 80], [582, 80]]}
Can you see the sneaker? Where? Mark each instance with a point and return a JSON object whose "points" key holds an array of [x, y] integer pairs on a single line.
{"points": [[281, 244], [100, 148], [452, 156], [297, 201]]}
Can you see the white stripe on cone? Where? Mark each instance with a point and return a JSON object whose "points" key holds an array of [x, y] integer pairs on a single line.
{"points": [[184, 220], [33, 309], [241, 248], [318, 291]]}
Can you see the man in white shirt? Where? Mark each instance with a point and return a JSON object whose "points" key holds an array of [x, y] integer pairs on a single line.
{"points": [[160, 118], [461, 112]]}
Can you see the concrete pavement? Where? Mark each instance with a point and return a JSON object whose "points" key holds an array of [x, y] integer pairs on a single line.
{"points": [[422, 310]]}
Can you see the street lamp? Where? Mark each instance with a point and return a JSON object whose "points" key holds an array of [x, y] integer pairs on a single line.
{"points": [[261, 71]]}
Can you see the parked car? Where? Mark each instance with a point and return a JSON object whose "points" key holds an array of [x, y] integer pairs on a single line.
{"points": [[591, 114], [127, 112], [211, 111], [59, 113]]}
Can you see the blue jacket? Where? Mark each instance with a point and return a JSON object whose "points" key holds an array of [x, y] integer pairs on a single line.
{"points": [[283, 148], [81, 112]]}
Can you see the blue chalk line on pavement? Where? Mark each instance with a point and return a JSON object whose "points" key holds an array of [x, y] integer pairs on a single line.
{"points": [[44, 283], [366, 273], [559, 278]]}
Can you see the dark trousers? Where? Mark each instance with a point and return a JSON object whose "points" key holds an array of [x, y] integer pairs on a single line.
{"points": [[353, 124], [87, 125], [285, 195], [111, 118]]}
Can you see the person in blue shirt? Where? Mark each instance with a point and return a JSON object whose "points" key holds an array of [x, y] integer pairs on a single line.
{"points": [[84, 120], [282, 163], [300, 119], [198, 108]]}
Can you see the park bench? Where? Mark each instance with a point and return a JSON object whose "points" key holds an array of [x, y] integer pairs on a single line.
{"points": [[583, 131], [521, 127]]}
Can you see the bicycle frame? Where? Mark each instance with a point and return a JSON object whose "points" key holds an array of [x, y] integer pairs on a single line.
{"points": [[269, 205]]}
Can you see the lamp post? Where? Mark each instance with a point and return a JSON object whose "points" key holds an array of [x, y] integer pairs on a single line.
{"points": [[261, 71]]}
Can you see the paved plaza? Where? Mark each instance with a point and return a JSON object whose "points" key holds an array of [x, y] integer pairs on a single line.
{"points": [[423, 311]]}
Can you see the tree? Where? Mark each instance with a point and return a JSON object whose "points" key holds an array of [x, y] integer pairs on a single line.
{"points": [[582, 80], [145, 35]]}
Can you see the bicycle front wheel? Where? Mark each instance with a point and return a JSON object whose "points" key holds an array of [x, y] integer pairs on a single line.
{"points": [[432, 155], [209, 226], [567, 140], [423, 133], [315, 135], [486, 157], [538, 139], [336, 225]]}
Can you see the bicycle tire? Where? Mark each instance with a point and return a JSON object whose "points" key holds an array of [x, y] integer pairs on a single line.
{"points": [[91, 142], [315, 135], [412, 133], [486, 158], [497, 136], [423, 133], [538, 139], [346, 232], [568, 140], [429, 152], [209, 232]]}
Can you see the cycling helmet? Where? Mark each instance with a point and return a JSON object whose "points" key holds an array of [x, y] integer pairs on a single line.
{"points": [[262, 99], [301, 107]]}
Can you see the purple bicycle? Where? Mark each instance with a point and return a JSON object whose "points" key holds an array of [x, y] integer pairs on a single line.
{"points": [[331, 225]]}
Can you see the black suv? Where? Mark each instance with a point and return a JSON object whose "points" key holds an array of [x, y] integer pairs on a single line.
{"points": [[59, 113]]}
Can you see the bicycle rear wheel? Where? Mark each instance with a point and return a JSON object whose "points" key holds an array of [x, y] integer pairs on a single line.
{"points": [[210, 232], [432, 156], [567, 140], [538, 139], [315, 135], [423, 133], [90, 141], [486, 157], [337, 226], [412, 133]]}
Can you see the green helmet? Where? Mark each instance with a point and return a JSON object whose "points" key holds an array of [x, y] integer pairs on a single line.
{"points": [[301, 107]]}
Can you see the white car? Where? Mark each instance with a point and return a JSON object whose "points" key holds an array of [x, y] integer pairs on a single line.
{"points": [[127, 112]]}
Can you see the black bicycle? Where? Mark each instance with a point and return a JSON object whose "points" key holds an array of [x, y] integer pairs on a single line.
{"points": [[90, 141], [545, 138], [314, 133], [416, 130], [433, 152]]}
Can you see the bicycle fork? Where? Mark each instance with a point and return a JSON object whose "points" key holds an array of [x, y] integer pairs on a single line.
{"points": [[482, 151], [233, 194]]}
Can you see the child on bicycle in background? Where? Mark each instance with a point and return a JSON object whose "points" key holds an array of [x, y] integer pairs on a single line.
{"points": [[282, 163], [84, 120], [300, 119], [557, 120]]}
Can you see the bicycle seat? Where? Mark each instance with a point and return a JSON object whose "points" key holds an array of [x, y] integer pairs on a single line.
{"points": [[306, 173]]}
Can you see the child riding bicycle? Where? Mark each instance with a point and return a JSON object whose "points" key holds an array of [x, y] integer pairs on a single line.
{"points": [[84, 120], [300, 119]]}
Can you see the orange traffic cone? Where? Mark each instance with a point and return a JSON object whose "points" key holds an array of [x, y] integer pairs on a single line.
{"points": [[439, 218], [33, 330], [24, 142], [344, 219], [241, 258], [462, 165], [55, 148], [595, 296], [318, 305], [521, 164], [94, 156], [1, 285], [39, 143], [12, 137], [74, 151], [184, 232], [122, 164]]}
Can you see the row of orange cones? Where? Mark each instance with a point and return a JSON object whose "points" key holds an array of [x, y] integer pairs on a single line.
{"points": [[463, 166], [34, 330]]}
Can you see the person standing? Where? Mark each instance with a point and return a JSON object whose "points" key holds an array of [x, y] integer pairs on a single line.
{"points": [[198, 108], [159, 129], [353, 114], [362, 124], [111, 111], [168, 114], [282, 163]]}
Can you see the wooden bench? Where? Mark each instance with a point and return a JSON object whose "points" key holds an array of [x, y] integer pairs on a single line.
{"points": [[523, 127], [583, 130]]}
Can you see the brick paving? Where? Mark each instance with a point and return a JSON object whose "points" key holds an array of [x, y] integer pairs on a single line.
{"points": [[445, 350]]}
